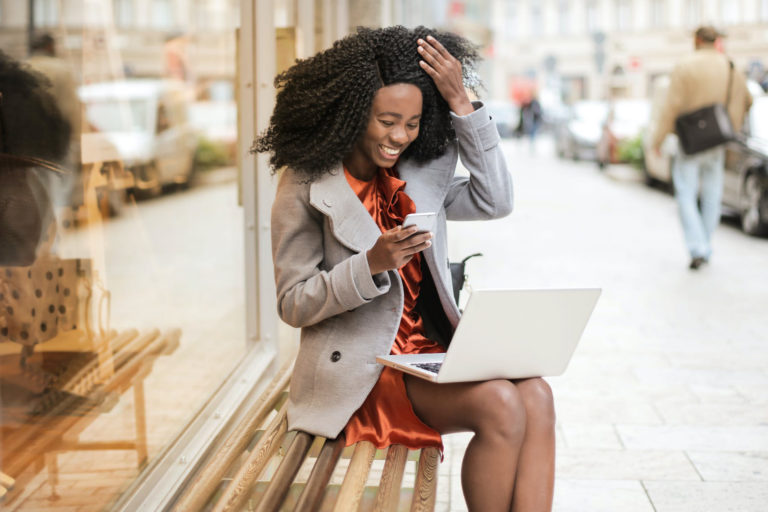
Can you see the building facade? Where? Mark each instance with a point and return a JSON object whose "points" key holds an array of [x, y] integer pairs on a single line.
{"points": [[602, 49]]}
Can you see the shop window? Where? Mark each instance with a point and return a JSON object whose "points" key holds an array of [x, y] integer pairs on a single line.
{"points": [[127, 313]]}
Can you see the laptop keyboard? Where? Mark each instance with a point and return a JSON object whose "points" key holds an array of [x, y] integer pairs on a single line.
{"points": [[430, 367]]}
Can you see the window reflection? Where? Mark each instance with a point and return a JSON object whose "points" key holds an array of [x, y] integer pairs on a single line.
{"points": [[121, 240]]}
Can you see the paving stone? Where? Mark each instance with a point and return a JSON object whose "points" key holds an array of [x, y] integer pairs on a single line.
{"points": [[672, 437], [729, 414], [604, 464], [731, 466], [600, 436], [708, 496], [600, 496]]}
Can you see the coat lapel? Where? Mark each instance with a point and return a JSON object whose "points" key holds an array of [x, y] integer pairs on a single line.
{"points": [[427, 186], [351, 223]]}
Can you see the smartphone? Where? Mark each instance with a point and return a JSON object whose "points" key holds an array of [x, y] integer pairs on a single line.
{"points": [[423, 221]]}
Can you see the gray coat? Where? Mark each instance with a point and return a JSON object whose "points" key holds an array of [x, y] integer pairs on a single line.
{"points": [[320, 234]]}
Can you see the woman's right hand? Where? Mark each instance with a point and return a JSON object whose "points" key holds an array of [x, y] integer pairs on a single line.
{"points": [[396, 247]]}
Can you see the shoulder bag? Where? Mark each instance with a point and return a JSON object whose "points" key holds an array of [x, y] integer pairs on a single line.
{"points": [[708, 126]]}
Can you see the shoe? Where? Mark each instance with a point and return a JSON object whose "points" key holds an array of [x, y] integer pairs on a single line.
{"points": [[697, 262]]}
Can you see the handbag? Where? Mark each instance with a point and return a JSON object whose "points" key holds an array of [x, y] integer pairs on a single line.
{"points": [[458, 275], [706, 127]]}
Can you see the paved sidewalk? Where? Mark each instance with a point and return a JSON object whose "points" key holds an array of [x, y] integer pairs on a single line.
{"points": [[665, 405]]}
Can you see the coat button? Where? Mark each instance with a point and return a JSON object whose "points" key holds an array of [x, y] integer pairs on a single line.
{"points": [[327, 202], [335, 356]]}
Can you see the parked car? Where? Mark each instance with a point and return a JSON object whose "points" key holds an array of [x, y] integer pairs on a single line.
{"points": [[626, 120], [506, 114], [658, 167], [578, 133], [745, 187], [143, 125]]}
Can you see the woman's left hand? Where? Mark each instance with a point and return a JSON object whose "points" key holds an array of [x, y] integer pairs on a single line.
{"points": [[445, 70]]}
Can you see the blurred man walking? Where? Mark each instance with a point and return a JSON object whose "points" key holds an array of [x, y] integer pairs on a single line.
{"points": [[703, 78]]}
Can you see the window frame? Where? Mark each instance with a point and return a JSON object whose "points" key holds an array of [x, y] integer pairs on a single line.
{"points": [[160, 484]]}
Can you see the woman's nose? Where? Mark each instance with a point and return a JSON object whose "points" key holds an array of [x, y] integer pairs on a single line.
{"points": [[399, 135]]}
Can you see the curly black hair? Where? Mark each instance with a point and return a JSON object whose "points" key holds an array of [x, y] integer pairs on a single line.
{"points": [[31, 123], [323, 102]]}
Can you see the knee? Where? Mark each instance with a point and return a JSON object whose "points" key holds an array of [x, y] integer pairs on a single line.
{"points": [[539, 402], [502, 411]]}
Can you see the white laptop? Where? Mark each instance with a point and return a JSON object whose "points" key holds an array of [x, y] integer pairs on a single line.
{"points": [[507, 334]]}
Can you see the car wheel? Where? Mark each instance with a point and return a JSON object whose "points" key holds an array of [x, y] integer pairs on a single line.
{"points": [[111, 202], [753, 202], [147, 181]]}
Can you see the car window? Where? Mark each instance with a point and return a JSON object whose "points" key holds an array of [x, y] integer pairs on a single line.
{"points": [[758, 115], [591, 111], [638, 111], [109, 115]]}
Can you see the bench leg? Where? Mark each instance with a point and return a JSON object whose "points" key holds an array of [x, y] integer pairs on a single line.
{"points": [[52, 464], [141, 421]]}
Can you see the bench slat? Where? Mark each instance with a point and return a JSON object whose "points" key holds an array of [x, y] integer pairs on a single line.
{"points": [[286, 472], [237, 490], [391, 479], [425, 489], [310, 498], [208, 479], [352, 487]]}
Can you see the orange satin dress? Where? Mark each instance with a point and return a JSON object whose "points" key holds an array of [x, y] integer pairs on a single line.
{"points": [[386, 417]]}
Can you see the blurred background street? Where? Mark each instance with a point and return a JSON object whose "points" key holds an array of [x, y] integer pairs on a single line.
{"points": [[665, 404]]}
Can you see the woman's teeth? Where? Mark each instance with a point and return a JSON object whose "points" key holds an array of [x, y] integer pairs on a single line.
{"points": [[390, 151]]}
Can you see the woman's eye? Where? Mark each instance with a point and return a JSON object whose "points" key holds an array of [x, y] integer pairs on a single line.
{"points": [[413, 126], [386, 123]]}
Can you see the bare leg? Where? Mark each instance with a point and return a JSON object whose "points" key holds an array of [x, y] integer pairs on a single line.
{"points": [[495, 412], [535, 481], [509, 463]]}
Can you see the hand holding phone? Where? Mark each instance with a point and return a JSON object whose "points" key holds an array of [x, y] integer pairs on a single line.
{"points": [[395, 247], [422, 221]]}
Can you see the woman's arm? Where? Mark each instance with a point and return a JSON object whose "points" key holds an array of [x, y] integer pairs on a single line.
{"points": [[487, 193], [307, 293]]}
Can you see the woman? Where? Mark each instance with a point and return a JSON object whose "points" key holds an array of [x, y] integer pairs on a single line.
{"points": [[369, 131]]}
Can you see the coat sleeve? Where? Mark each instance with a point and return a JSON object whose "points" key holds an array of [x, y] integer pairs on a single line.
{"points": [[487, 192], [306, 292]]}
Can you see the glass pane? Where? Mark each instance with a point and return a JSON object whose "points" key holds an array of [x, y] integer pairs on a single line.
{"points": [[121, 253]]}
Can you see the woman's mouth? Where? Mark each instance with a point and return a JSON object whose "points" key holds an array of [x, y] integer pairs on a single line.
{"points": [[388, 152]]}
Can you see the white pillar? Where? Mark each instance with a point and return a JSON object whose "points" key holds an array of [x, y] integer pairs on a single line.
{"points": [[256, 62], [327, 27], [305, 28], [341, 24]]}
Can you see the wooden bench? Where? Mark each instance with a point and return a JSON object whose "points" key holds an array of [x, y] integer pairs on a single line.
{"points": [[31, 443], [261, 466]]}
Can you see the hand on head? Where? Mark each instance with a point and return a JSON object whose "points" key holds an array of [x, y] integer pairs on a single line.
{"points": [[445, 70], [396, 247]]}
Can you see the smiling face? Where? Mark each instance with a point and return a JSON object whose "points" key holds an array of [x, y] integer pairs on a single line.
{"points": [[393, 125]]}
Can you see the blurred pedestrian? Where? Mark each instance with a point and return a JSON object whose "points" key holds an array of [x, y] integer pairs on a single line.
{"points": [[703, 78], [530, 119]]}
